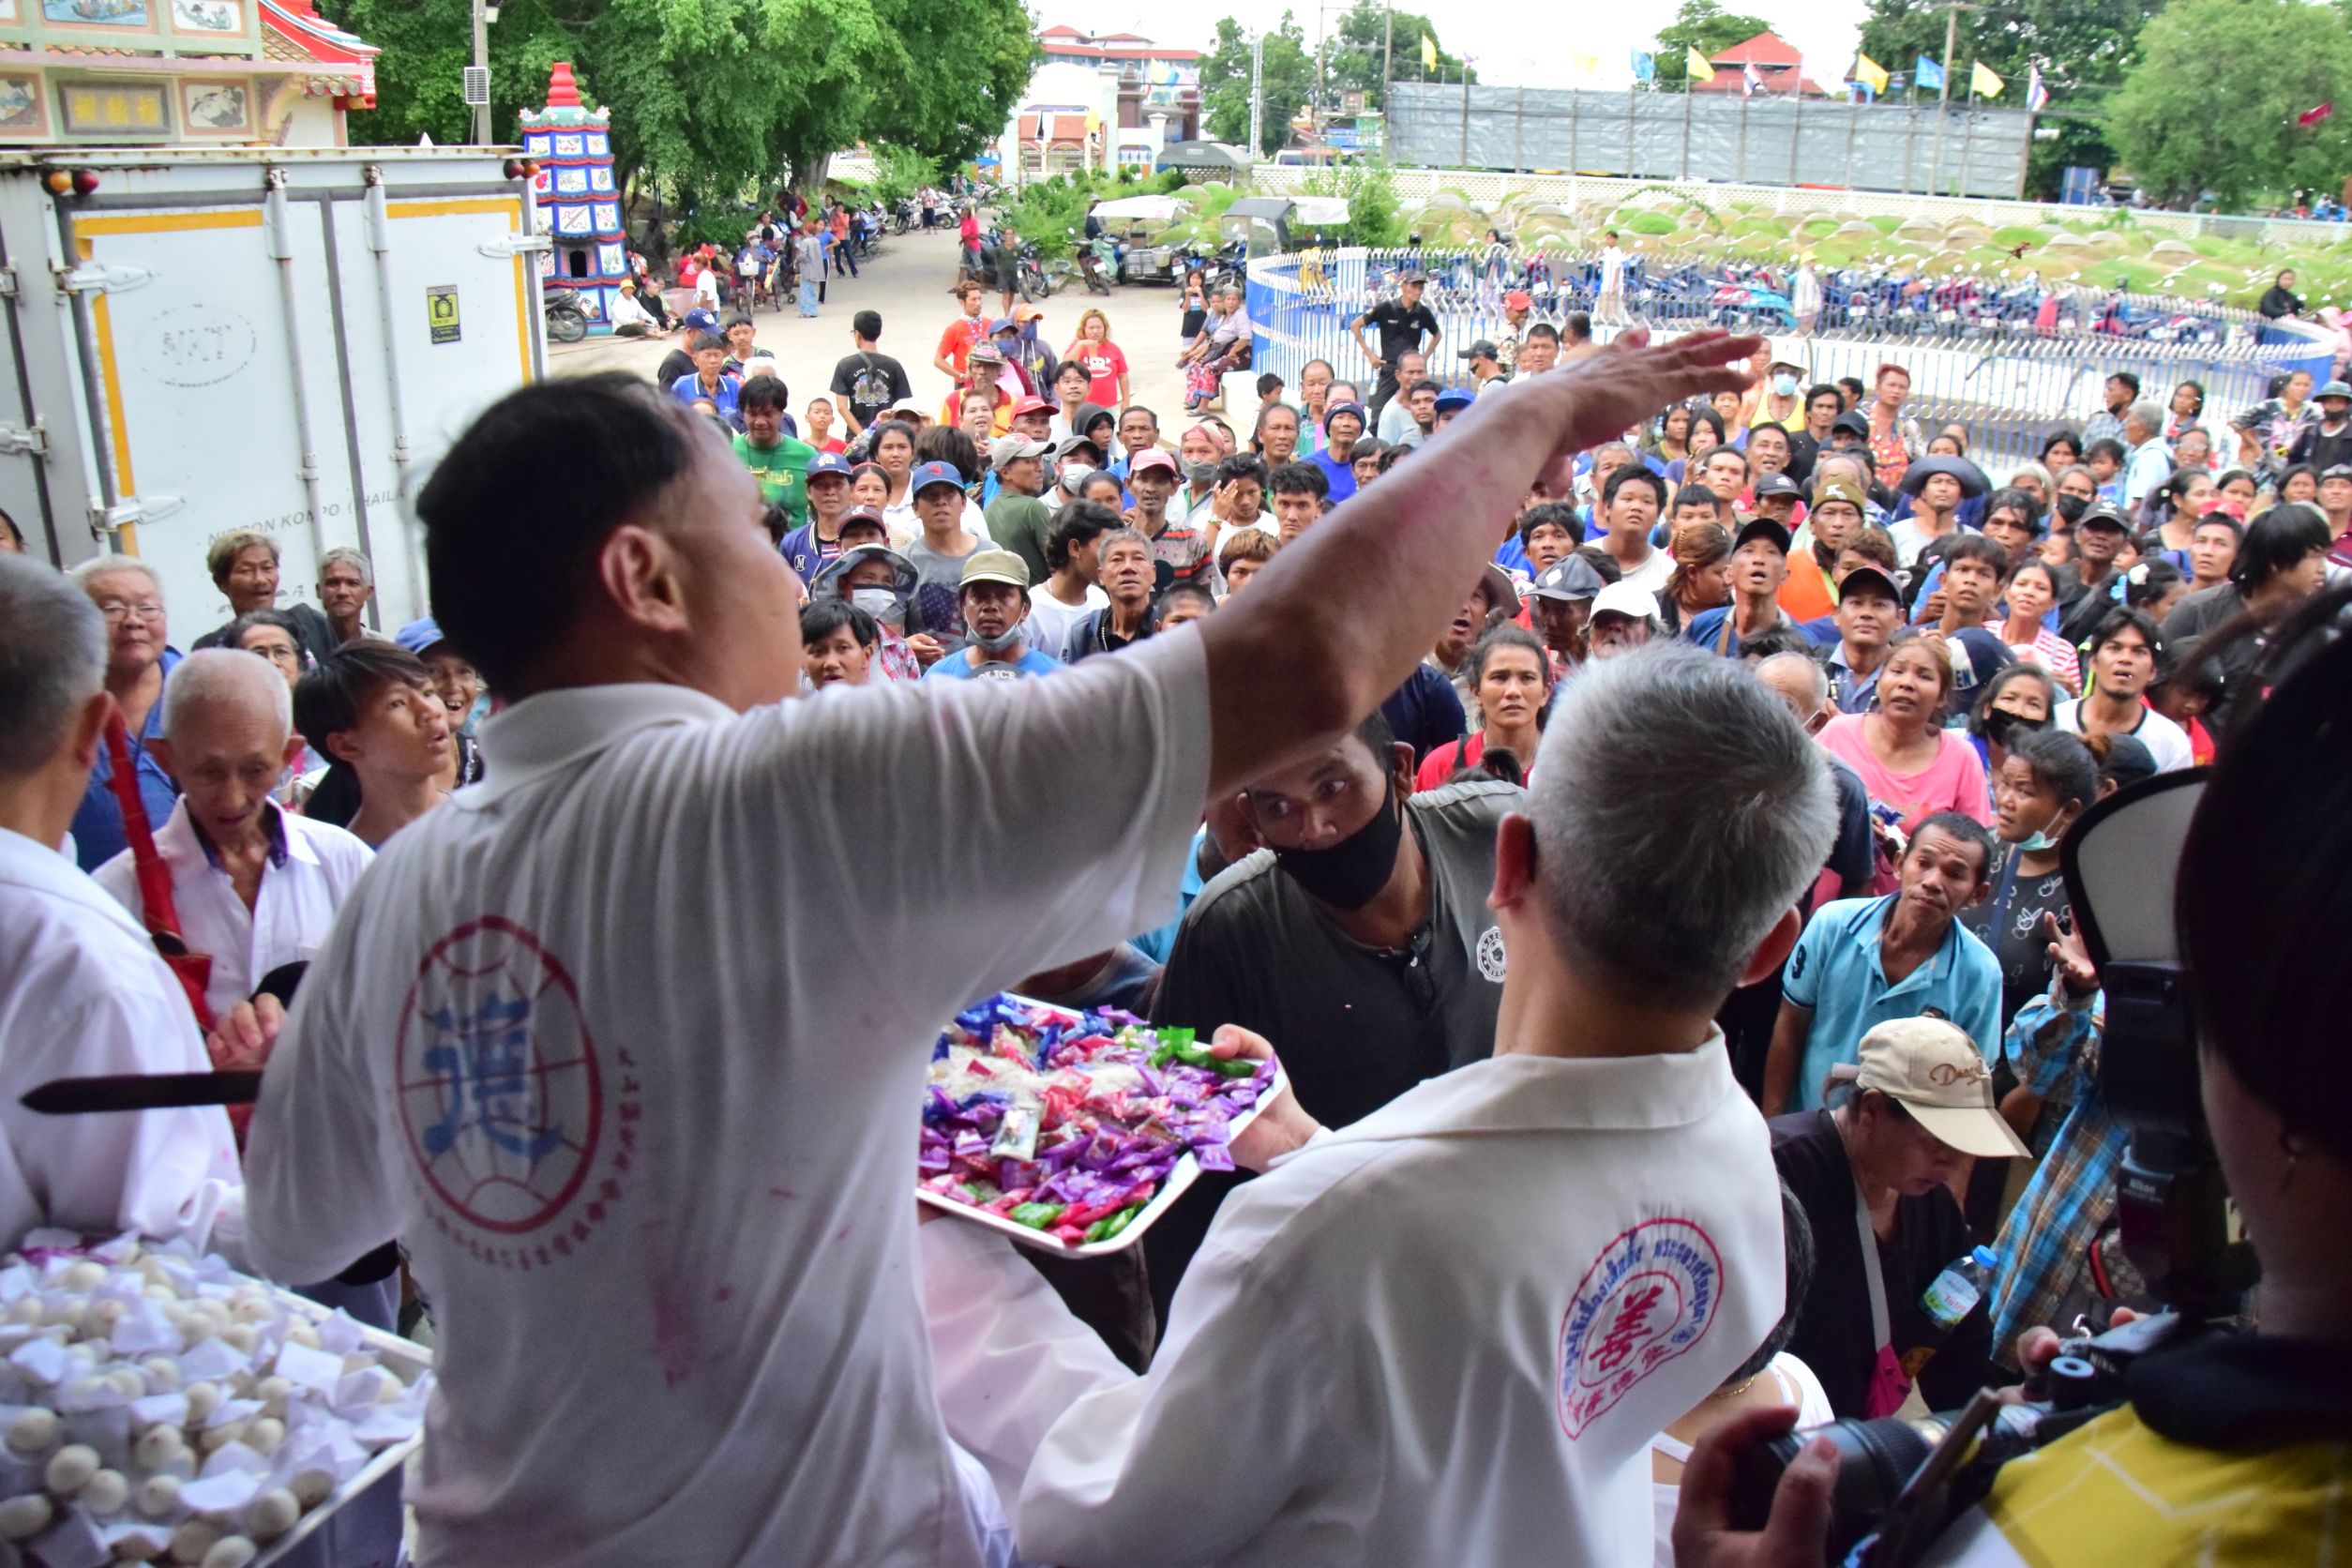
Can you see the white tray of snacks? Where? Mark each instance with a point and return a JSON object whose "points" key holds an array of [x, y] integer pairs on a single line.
{"points": [[1072, 1132], [155, 1405]]}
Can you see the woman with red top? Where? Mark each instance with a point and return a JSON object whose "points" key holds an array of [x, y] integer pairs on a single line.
{"points": [[1894, 435], [2032, 590], [1509, 678], [1106, 364]]}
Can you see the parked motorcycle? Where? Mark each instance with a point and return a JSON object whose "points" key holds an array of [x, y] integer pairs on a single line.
{"points": [[566, 323]]}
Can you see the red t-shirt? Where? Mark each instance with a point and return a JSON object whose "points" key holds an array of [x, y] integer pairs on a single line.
{"points": [[1104, 364], [956, 342]]}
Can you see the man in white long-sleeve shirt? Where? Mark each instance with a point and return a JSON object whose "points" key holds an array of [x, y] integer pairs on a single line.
{"points": [[1446, 1333], [82, 991], [588, 1043]]}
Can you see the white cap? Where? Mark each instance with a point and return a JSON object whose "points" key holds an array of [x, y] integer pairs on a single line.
{"points": [[1624, 598]]}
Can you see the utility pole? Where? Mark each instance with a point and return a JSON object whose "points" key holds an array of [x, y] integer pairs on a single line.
{"points": [[1257, 96], [1943, 94], [1388, 56], [481, 63]]}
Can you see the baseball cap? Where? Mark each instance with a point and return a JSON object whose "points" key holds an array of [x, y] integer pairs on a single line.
{"points": [[2105, 516], [1869, 577], [930, 474], [1838, 488], [1003, 323], [1414, 274], [1345, 407], [1937, 1074], [1006, 449], [1455, 398], [825, 463], [419, 635], [995, 566], [1765, 529], [1569, 577], [1152, 457], [1032, 405], [1625, 598], [1776, 484], [865, 515], [1483, 348], [1025, 311], [1501, 594], [1854, 423], [2335, 389], [698, 320], [1519, 299]]}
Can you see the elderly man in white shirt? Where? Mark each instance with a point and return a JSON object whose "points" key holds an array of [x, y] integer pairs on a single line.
{"points": [[82, 992], [588, 1043], [254, 887], [1446, 1333]]}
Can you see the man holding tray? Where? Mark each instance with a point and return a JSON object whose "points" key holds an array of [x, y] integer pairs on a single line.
{"points": [[1446, 1333], [593, 1046]]}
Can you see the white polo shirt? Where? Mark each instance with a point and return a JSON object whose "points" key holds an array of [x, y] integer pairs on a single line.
{"points": [[310, 872], [82, 992], [627, 1046], [1444, 1334]]}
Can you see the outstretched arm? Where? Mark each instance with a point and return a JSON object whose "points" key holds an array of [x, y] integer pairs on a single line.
{"points": [[1340, 617]]}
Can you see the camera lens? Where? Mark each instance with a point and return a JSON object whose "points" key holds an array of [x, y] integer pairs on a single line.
{"points": [[1874, 1460]]}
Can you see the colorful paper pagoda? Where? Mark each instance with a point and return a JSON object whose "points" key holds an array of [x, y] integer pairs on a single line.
{"points": [[579, 209]]}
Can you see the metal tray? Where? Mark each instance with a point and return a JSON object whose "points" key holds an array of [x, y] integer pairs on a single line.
{"points": [[1179, 1178], [415, 1359]]}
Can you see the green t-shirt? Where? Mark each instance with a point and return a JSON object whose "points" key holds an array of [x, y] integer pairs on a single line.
{"points": [[1020, 524], [782, 470]]}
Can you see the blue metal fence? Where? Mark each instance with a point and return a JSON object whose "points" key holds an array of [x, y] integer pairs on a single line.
{"points": [[2012, 364]]}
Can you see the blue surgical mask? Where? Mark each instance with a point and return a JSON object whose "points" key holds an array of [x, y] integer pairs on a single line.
{"points": [[1784, 387]]}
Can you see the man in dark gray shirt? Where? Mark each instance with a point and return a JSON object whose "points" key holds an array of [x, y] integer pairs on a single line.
{"points": [[1366, 949]]}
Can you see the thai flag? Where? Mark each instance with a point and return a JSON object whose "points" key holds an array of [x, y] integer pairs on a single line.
{"points": [[1751, 81], [2036, 95]]}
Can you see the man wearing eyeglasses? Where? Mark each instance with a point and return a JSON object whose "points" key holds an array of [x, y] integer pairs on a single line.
{"points": [[130, 600], [1362, 943]]}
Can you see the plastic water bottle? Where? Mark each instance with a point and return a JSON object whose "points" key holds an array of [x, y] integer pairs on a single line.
{"points": [[1960, 1287]]}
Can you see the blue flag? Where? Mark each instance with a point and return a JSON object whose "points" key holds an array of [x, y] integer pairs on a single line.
{"points": [[1928, 74], [1645, 65]]}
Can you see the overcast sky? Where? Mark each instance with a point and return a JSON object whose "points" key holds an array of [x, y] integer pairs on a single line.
{"points": [[1508, 41]]}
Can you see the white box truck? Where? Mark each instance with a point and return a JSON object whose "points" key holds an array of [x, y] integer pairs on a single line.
{"points": [[200, 340]]}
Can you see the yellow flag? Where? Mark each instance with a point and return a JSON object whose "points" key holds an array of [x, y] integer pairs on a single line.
{"points": [[1428, 53], [1586, 64], [1695, 63], [1871, 74], [1983, 82], [1094, 122]]}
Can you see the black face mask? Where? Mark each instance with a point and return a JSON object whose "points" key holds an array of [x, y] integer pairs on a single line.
{"points": [[2072, 507], [1349, 874], [2002, 727]]}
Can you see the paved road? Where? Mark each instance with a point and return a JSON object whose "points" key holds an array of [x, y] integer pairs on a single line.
{"points": [[907, 283]]}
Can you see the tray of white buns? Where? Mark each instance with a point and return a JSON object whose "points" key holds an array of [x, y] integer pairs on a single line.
{"points": [[157, 1406]]}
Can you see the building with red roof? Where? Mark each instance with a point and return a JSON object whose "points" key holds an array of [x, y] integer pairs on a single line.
{"points": [[178, 72], [1778, 66]]}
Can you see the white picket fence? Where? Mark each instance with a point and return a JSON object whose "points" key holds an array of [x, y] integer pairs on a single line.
{"points": [[1487, 188]]}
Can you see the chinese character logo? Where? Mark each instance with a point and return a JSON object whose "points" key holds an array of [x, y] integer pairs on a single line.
{"points": [[1647, 1298], [500, 1093]]}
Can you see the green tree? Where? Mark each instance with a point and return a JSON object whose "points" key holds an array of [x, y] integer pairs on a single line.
{"points": [[1373, 44], [714, 102], [1289, 77], [2082, 48], [1703, 25], [2212, 101]]}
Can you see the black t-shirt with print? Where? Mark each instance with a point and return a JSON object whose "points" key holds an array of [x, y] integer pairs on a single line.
{"points": [[1356, 1027], [2011, 923], [870, 383], [1400, 329]]}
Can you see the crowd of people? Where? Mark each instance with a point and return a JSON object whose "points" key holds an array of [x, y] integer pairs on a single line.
{"points": [[1632, 818]]}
